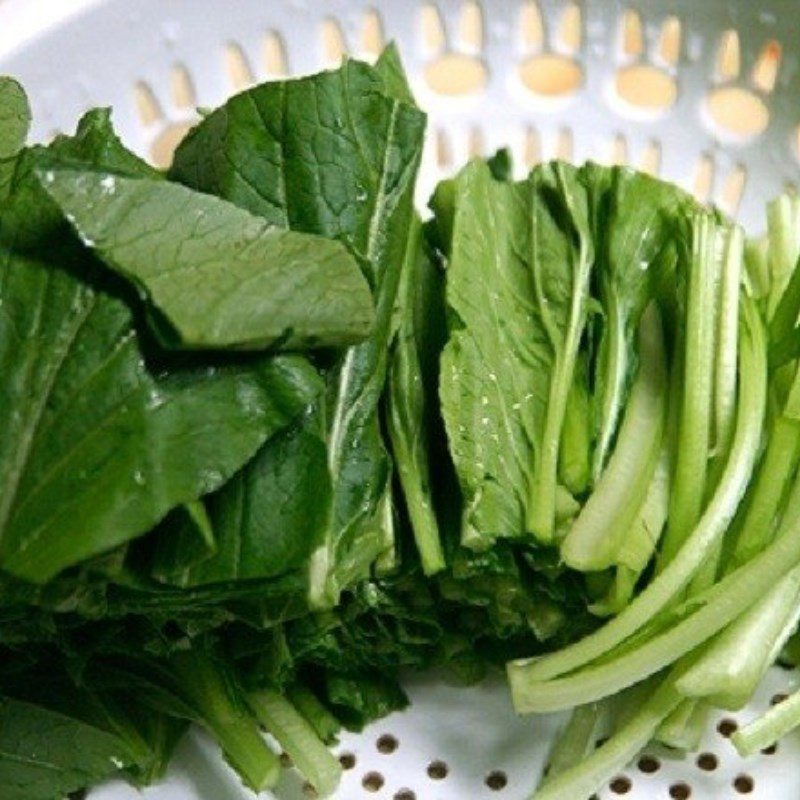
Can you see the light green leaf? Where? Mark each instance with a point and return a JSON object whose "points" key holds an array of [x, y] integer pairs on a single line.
{"points": [[15, 120], [517, 285]]}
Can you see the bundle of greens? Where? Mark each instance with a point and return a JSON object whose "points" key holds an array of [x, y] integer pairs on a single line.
{"points": [[268, 439]]}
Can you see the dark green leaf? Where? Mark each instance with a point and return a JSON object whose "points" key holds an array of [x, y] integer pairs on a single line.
{"points": [[45, 754], [97, 447], [412, 400], [334, 154], [270, 516], [220, 276]]}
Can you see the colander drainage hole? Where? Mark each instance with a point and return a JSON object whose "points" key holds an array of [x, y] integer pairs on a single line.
{"points": [[621, 785], [438, 770], [771, 750], [310, 792], [648, 765], [286, 760], [496, 780], [405, 794], [347, 760], [727, 727], [708, 762], [372, 781], [744, 784], [387, 744], [680, 791], [777, 699]]}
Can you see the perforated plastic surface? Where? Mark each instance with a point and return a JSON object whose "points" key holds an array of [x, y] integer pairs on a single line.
{"points": [[702, 93]]}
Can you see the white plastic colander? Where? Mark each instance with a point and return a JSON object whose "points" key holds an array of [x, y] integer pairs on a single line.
{"points": [[701, 92]]}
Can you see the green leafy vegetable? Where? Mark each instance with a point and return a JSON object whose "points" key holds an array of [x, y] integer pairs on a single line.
{"points": [[46, 754], [335, 155], [15, 120], [507, 368], [556, 426], [412, 403], [220, 276], [98, 448]]}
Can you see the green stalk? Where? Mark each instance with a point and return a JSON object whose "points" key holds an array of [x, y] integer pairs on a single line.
{"points": [[776, 470], [615, 369], [638, 547], [725, 366], [785, 317], [595, 770], [683, 729], [230, 724], [783, 229], [576, 740], [407, 409], [296, 736], [325, 725], [732, 666], [694, 427], [725, 379], [386, 560], [730, 598], [756, 268], [619, 593], [667, 585], [763, 732], [575, 445], [597, 534], [541, 506], [424, 524]]}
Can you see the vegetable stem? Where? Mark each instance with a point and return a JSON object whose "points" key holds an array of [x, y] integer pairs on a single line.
{"points": [[614, 353], [585, 776], [541, 507], [683, 728], [775, 472], [692, 451], [296, 736], [779, 720], [525, 674], [729, 670], [594, 540], [234, 729], [576, 739], [575, 445]]}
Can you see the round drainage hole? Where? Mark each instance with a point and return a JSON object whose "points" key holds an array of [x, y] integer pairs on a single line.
{"points": [[708, 762], [621, 785], [496, 780], [648, 765], [387, 744], [438, 770], [347, 760], [372, 781]]}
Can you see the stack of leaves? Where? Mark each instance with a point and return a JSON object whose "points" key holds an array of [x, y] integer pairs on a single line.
{"points": [[268, 439]]}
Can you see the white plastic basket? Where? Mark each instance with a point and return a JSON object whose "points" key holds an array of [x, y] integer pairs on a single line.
{"points": [[702, 93]]}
